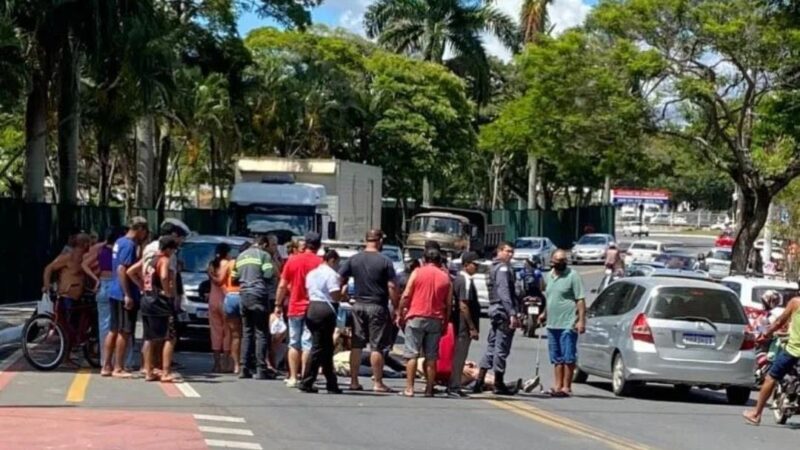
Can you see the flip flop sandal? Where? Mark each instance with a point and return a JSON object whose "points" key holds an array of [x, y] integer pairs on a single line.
{"points": [[750, 421], [106, 374], [152, 378], [356, 388], [122, 375], [403, 393], [384, 390]]}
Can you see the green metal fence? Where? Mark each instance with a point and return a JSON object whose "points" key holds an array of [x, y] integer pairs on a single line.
{"points": [[32, 234]]}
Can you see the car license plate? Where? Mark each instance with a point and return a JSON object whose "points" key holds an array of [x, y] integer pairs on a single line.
{"points": [[698, 339], [533, 310], [183, 317], [202, 314]]}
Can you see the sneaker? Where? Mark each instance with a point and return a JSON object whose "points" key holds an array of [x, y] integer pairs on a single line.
{"points": [[292, 383], [531, 384], [246, 373], [308, 389], [264, 375], [456, 394]]}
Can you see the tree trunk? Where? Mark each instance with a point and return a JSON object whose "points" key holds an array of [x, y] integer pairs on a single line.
{"points": [[533, 175], [212, 144], [68, 124], [547, 195], [606, 191], [35, 138], [164, 153], [145, 158], [753, 208], [104, 158]]}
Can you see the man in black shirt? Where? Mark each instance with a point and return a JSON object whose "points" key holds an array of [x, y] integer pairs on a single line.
{"points": [[375, 285], [466, 318]]}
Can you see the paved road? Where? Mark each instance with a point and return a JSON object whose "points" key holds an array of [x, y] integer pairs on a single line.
{"points": [[63, 409]]}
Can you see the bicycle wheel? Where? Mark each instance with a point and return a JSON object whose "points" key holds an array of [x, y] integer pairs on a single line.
{"points": [[91, 349], [43, 342]]}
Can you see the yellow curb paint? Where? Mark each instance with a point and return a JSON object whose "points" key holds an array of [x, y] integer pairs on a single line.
{"points": [[77, 390]]}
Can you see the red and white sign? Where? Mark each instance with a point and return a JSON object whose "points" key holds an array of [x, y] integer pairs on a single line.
{"points": [[642, 194]]}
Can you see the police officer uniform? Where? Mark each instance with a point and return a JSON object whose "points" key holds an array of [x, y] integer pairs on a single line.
{"points": [[502, 307]]}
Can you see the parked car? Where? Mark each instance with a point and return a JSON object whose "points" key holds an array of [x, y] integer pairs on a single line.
{"points": [[481, 280], [677, 259], [718, 261], [660, 219], [526, 248], [663, 272], [750, 289], [195, 254], [635, 228], [644, 251], [591, 248], [663, 330], [724, 240]]}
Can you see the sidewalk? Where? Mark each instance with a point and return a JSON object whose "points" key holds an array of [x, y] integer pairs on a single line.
{"points": [[12, 317]]}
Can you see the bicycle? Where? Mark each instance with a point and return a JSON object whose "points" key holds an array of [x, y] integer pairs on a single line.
{"points": [[46, 336]]}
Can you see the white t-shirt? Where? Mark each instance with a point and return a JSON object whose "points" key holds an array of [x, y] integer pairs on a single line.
{"points": [[320, 282], [151, 250]]}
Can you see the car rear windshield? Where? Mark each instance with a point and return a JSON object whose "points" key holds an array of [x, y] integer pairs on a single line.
{"points": [[786, 293], [644, 246], [712, 304], [197, 255], [719, 254]]}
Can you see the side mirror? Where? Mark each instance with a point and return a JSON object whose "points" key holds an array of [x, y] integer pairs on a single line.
{"points": [[331, 230]]}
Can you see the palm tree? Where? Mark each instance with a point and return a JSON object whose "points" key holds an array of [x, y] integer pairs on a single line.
{"points": [[534, 20], [428, 28]]}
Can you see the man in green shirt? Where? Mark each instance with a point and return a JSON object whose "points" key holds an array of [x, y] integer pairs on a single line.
{"points": [[565, 313]]}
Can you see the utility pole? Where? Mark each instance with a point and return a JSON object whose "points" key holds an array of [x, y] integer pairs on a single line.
{"points": [[533, 169]]}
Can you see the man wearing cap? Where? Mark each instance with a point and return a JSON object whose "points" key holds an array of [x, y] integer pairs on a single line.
{"points": [[375, 285], [293, 279], [466, 318]]}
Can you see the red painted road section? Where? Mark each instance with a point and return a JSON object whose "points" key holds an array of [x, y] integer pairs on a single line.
{"points": [[7, 375], [171, 390], [79, 428]]}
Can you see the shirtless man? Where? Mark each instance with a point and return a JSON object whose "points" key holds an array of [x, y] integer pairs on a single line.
{"points": [[70, 282]]}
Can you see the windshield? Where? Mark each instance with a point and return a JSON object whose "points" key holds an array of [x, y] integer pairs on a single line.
{"points": [[197, 255], [714, 305], [720, 254], [265, 223], [593, 240], [677, 261], [534, 244], [436, 225], [786, 293], [393, 254]]}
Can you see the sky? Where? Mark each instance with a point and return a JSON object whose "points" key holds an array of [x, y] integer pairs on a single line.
{"points": [[349, 14]]}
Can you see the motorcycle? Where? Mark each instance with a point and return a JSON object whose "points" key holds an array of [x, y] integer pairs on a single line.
{"points": [[534, 307], [785, 400]]}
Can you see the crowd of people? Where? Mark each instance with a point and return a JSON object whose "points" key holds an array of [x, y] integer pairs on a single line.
{"points": [[260, 300]]}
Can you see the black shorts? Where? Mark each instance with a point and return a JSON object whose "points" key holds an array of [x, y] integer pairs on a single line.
{"points": [[158, 328], [371, 325], [122, 320]]}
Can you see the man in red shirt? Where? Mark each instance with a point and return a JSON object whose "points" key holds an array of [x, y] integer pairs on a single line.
{"points": [[425, 307], [293, 279]]}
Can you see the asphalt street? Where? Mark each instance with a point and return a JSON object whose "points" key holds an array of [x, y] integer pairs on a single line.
{"points": [[65, 409]]}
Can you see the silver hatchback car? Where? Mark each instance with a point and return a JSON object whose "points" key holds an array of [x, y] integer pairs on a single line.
{"points": [[674, 331]]}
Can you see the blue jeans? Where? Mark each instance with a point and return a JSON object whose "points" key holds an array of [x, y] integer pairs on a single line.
{"points": [[562, 345], [103, 315], [299, 335]]}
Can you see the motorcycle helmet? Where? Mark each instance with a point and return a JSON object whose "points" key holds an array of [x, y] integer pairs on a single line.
{"points": [[771, 299]]}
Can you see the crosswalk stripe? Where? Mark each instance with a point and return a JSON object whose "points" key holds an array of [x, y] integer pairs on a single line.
{"points": [[222, 430], [219, 418], [186, 389], [77, 390], [233, 444]]}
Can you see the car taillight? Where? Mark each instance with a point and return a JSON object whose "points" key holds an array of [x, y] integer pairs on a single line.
{"points": [[640, 330], [749, 342]]}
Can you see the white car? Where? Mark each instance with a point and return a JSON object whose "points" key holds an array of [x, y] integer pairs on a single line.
{"points": [[481, 279], [719, 262], [644, 251], [722, 226], [750, 290], [635, 229]]}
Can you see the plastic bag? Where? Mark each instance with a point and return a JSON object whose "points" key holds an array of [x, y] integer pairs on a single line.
{"points": [[44, 306], [277, 326]]}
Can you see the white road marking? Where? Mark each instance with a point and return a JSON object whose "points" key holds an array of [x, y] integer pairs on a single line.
{"points": [[228, 419], [222, 430], [187, 390], [8, 362], [233, 444]]}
